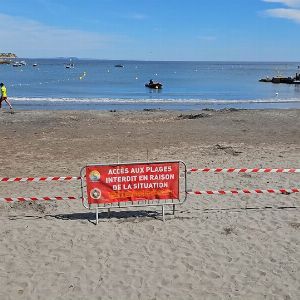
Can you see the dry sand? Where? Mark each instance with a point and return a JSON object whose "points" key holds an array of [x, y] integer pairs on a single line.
{"points": [[216, 247]]}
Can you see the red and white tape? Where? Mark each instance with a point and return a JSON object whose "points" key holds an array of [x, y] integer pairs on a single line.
{"points": [[219, 192], [243, 170], [36, 179], [23, 199], [194, 170], [245, 191]]}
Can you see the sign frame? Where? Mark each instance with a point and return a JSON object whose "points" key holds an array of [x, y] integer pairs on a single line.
{"points": [[182, 190]]}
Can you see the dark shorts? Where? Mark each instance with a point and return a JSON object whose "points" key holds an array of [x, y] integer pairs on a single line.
{"points": [[3, 98]]}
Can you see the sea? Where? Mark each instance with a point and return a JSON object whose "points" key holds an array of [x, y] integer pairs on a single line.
{"points": [[48, 84]]}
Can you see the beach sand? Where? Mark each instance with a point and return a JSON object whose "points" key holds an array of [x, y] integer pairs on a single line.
{"points": [[215, 247]]}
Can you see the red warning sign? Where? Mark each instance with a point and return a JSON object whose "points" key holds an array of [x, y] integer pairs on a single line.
{"points": [[132, 182]]}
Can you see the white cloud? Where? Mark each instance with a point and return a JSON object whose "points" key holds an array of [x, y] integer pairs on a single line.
{"points": [[285, 13], [290, 13], [289, 3], [29, 38]]}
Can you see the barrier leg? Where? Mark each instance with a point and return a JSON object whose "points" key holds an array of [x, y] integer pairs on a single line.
{"points": [[173, 209], [97, 216], [108, 212], [163, 212]]}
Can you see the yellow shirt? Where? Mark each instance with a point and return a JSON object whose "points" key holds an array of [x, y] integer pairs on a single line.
{"points": [[3, 91]]}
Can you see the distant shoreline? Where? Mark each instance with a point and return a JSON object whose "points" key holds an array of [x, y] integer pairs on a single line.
{"points": [[160, 61]]}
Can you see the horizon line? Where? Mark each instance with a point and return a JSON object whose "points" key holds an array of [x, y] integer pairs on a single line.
{"points": [[153, 60]]}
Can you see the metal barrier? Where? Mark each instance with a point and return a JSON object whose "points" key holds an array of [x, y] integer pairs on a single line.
{"points": [[137, 184]]}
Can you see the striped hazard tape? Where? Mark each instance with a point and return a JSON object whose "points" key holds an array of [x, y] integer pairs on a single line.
{"points": [[23, 199], [36, 179], [246, 191], [191, 170], [243, 170], [219, 192]]}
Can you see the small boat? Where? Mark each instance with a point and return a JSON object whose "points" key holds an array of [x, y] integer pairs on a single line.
{"points": [[153, 85], [267, 79], [69, 66], [34, 65], [282, 79], [119, 66], [17, 64], [278, 79]]}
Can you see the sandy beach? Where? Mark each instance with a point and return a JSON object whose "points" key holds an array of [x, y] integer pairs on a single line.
{"points": [[215, 247]]}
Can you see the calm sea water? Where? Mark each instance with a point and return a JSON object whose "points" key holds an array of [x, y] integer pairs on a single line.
{"points": [[98, 84]]}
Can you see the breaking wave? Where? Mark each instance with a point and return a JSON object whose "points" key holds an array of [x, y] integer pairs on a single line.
{"points": [[147, 101]]}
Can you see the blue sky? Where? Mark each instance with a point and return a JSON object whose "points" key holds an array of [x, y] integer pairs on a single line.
{"points": [[202, 30]]}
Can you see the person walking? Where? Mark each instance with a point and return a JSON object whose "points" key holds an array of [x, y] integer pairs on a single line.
{"points": [[4, 96]]}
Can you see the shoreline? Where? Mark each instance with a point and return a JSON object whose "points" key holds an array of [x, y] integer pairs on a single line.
{"points": [[124, 104], [219, 247]]}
